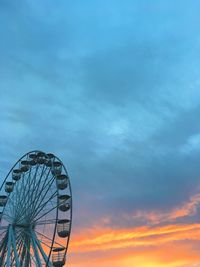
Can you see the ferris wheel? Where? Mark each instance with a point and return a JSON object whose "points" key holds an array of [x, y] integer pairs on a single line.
{"points": [[35, 212]]}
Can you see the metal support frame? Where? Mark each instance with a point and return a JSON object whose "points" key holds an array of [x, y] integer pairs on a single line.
{"points": [[34, 245], [9, 248], [3, 249], [45, 257], [11, 244], [14, 246]]}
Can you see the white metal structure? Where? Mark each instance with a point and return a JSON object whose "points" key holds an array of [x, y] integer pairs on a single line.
{"points": [[35, 212]]}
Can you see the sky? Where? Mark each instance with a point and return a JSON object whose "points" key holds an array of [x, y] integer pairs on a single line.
{"points": [[113, 89]]}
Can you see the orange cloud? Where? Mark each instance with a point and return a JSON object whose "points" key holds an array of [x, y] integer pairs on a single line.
{"points": [[170, 245], [186, 209], [164, 243], [105, 239]]}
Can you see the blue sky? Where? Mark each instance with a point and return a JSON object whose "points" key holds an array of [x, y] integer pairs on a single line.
{"points": [[110, 87]]}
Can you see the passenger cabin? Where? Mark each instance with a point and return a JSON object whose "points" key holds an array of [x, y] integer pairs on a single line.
{"points": [[58, 257], [9, 187], [32, 159], [63, 228], [25, 165], [16, 174], [41, 157], [50, 159], [62, 181], [3, 200], [64, 202], [56, 168]]}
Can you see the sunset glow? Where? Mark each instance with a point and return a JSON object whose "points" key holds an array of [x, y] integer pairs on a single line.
{"points": [[162, 244], [171, 245]]}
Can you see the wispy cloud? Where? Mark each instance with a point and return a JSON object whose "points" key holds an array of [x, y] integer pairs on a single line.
{"points": [[162, 243]]}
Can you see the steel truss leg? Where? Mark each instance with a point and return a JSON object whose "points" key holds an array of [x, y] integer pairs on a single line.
{"points": [[11, 244], [37, 257], [41, 249], [3, 249], [9, 248], [14, 246]]}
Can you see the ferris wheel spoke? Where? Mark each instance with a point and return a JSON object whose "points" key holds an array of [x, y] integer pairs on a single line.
{"points": [[11, 206], [27, 197], [5, 214], [23, 191], [10, 203], [37, 184], [26, 192], [52, 221], [4, 229], [8, 208], [47, 209], [34, 180], [37, 242], [31, 206], [48, 201], [20, 192], [2, 243], [19, 242], [20, 251], [45, 244], [31, 184], [28, 207], [8, 214], [49, 239], [41, 208], [19, 235], [42, 204], [42, 196], [44, 180]]}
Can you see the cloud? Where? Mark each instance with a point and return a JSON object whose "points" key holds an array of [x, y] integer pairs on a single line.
{"points": [[189, 208], [153, 242], [104, 89], [154, 245]]}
